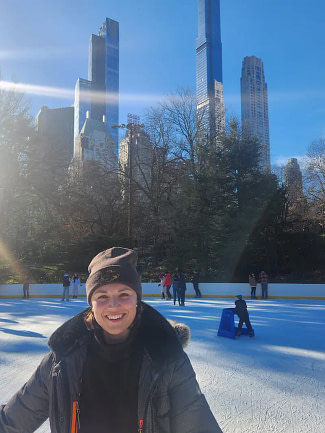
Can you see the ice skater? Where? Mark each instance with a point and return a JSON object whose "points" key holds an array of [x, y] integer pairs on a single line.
{"points": [[242, 313], [26, 288], [264, 280], [167, 284], [176, 292], [195, 281], [252, 282], [182, 288], [66, 287], [76, 283], [162, 285]]}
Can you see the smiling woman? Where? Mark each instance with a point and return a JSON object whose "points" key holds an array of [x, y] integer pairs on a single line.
{"points": [[118, 366], [114, 308]]}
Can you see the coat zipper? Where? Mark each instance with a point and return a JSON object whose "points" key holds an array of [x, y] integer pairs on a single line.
{"points": [[75, 425], [150, 393]]}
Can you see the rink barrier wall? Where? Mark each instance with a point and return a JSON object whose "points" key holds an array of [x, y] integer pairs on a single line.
{"points": [[209, 290]]}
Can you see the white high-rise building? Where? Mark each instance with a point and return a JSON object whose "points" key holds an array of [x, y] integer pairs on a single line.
{"points": [[254, 106], [95, 142]]}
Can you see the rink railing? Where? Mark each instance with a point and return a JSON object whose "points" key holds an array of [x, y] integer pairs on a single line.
{"points": [[209, 290]]}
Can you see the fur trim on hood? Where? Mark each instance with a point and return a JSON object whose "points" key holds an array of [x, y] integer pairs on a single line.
{"points": [[162, 338], [183, 332]]}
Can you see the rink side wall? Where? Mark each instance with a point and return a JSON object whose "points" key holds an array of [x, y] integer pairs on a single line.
{"points": [[209, 290]]}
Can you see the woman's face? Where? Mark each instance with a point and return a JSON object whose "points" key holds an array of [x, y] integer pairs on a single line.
{"points": [[114, 306]]}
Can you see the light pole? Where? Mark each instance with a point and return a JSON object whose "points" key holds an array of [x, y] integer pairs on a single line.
{"points": [[132, 125]]}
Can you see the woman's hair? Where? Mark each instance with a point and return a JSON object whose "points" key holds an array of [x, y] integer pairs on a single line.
{"points": [[90, 321]]}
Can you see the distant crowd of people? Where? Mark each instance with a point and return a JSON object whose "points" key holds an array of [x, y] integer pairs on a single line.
{"points": [[177, 282]]}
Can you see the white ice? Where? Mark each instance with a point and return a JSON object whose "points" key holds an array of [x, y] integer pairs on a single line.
{"points": [[274, 382]]}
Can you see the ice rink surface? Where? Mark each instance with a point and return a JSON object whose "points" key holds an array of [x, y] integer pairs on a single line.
{"points": [[274, 382]]}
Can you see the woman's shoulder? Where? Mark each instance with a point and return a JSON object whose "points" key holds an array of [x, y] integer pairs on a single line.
{"points": [[163, 338], [70, 333]]}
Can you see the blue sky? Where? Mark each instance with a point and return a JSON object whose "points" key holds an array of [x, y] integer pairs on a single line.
{"points": [[45, 43]]}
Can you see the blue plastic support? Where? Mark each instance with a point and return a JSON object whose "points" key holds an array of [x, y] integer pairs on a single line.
{"points": [[227, 326]]}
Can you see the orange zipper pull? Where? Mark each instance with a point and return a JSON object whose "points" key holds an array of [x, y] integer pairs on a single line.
{"points": [[140, 425], [75, 417]]}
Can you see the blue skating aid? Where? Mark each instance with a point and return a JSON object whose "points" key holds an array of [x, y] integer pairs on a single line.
{"points": [[227, 324]]}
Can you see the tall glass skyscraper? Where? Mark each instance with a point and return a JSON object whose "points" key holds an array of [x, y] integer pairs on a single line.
{"points": [[100, 93], [254, 106], [209, 87]]}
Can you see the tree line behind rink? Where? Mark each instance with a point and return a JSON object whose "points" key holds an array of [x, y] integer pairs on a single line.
{"points": [[193, 203]]}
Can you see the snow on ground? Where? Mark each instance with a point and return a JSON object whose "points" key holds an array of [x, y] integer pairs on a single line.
{"points": [[272, 383]]}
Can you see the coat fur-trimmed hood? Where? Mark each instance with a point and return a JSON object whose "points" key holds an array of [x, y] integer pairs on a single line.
{"points": [[162, 338]]}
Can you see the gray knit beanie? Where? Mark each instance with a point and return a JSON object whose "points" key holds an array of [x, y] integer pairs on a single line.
{"points": [[116, 265]]}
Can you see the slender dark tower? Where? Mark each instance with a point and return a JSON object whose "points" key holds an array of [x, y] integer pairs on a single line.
{"points": [[209, 87], [293, 180], [99, 95]]}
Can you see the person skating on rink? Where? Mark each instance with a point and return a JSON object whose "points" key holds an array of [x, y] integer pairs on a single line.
{"points": [[167, 284], [116, 367], [182, 288], [26, 288], [264, 280], [242, 313], [66, 287], [196, 281], [252, 283], [76, 283], [162, 278], [176, 291]]}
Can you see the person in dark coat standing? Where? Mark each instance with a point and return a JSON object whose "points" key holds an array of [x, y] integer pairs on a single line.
{"points": [[66, 287], [182, 288], [176, 291], [242, 313], [116, 367], [26, 288], [195, 282]]}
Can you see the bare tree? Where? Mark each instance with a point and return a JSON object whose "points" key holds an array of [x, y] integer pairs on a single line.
{"points": [[315, 182]]}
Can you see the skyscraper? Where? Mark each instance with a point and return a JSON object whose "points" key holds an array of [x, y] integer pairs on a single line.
{"points": [[100, 93], [54, 128], [135, 157], [293, 180], [254, 106], [296, 199], [95, 142], [209, 87]]}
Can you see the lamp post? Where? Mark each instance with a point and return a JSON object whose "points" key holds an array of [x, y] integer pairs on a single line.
{"points": [[132, 125]]}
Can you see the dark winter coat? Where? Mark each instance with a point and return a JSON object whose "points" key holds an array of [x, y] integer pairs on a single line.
{"points": [[169, 398], [66, 281], [195, 278], [175, 282], [241, 309], [182, 281]]}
